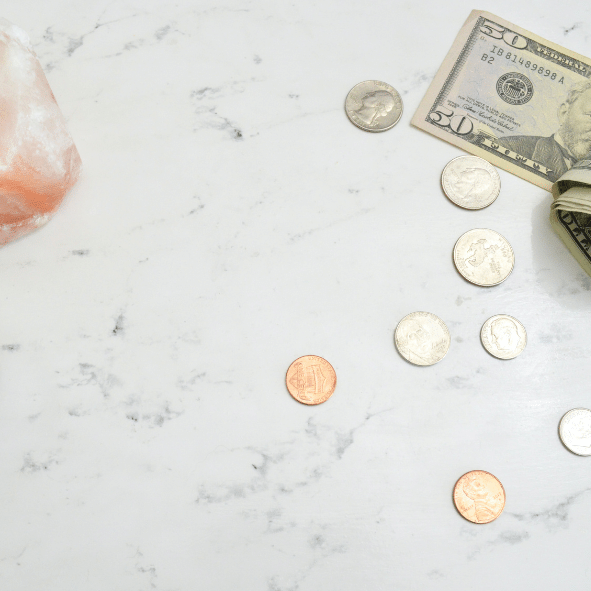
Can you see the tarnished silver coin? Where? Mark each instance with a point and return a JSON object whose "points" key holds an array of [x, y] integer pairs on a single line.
{"points": [[503, 336], [373, 106], [575, 431], [422, 338], [470, 182], [483, 257]]}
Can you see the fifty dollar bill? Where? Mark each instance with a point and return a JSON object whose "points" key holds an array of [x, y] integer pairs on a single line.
{"points": [[502, 93], [524, 104]]}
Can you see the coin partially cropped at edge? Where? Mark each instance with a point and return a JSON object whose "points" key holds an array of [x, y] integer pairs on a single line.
{"points": [[479, 497], [311, 379], [575, 431], [503, 336], [470, 182], [373, 106], [422, 338], [483, 257]]}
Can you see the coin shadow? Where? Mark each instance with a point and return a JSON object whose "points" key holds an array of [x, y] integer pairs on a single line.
{"points": [[555, 269]]}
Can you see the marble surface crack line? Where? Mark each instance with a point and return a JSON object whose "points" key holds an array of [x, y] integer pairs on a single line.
{"points": [[554, 517]]}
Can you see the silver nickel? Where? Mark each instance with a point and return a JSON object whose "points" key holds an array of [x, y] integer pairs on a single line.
{"points": [[503, 336], [422, 338], [470, 182], [483, 257], [373, 106], [575, 431]]}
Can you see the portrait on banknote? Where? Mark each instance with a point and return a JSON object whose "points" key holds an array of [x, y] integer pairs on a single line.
{"points": [[512, 98], [569, 144]]}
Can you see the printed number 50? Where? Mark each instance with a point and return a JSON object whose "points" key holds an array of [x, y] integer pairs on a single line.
{"points": [[445, 117], [509, 37]]}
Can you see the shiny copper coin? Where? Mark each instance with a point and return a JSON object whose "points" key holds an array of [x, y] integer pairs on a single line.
{"points": [[311, 379], [479, 496]]}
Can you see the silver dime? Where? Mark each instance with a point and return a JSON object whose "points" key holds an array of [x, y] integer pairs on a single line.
{"points": [[422, 338], [373, 106], [503, 336], [483, 257], [470, 182], [575, 431]]}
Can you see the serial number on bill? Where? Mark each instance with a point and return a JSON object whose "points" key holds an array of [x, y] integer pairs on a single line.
{"points": [[516, 59]]}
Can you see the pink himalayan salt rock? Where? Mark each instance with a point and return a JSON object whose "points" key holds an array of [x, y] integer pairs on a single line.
{"points": [[39, 162]]}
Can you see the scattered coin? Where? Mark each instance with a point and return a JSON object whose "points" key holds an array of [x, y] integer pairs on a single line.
{"points": [[470, 182], [422, 338], [373, 106], [483, 257], [311, 379], [575, 431], [479, 496], [503, 336]]}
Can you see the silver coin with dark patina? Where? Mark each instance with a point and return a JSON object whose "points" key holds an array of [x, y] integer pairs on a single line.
{"points": [[373, 106]]}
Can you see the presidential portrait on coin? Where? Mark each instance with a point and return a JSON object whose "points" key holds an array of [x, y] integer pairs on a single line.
{"points": [[470, 182], [419, 340], [374, 106], [473, 183], [486, 507], [504, 334], [578, 429], [570, 143], [422, 338]]}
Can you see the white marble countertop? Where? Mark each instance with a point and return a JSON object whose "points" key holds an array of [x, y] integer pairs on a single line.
{"points": [[228, 220]]}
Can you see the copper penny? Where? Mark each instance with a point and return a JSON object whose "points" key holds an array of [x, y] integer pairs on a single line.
{"points": [[311, 379], [479, 496]]}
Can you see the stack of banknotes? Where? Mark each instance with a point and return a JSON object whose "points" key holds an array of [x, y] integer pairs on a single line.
{"points": [[523, 104]]}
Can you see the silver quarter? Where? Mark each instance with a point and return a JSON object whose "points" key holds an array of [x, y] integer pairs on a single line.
{"points": [[422, 338], [373, 106], [483, 257], [503, 336], [575, 431], [470, 182]]}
